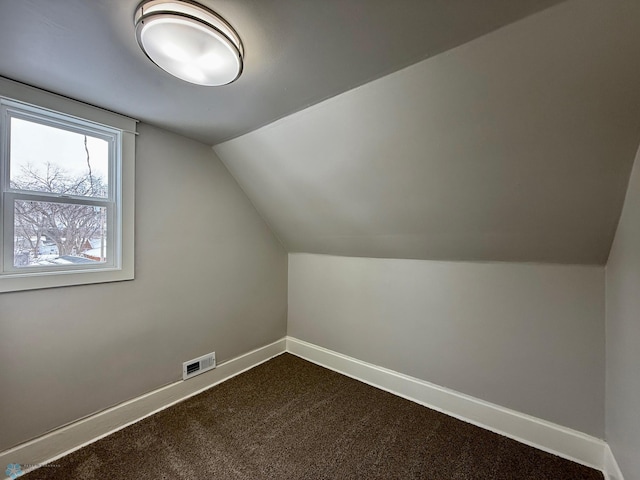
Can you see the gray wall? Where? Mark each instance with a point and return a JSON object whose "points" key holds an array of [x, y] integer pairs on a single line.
{"points": [[623, 335], [524, 336], [210, 275]]}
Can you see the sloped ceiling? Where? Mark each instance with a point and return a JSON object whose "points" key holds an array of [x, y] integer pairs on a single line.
{"points": [[516, 146], [510, 139], [297, 53]]}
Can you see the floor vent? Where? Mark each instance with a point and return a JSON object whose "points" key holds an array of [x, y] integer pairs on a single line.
{"points": [[198, 365]]}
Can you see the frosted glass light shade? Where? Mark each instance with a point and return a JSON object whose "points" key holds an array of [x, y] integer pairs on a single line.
{"points": [[189, 41]]}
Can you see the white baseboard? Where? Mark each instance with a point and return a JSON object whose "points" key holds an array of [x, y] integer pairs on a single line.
{"points": [[611, 468], [61, 442], [547, 436], [538, 433]]}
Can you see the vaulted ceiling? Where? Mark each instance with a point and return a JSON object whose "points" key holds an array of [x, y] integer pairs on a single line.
{"points": [[498, 130], [297, 53], [516, 146]]}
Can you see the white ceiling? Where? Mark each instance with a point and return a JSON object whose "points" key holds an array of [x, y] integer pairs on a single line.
{"points": [[516, 146], [298, 52], [509, 135]]}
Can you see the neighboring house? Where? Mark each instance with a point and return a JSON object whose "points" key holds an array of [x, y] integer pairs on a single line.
{"points": [[94, 249]]}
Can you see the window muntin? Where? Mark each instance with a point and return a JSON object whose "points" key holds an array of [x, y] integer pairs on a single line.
{"points": [[60, 192]]}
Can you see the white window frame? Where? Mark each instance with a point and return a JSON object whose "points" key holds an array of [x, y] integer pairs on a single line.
{"points": [[21, 101]]}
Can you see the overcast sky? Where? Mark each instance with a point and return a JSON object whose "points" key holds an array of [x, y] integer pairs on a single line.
{"points": [[38, 144]]}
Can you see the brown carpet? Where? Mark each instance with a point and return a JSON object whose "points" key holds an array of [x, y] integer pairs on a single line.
{"points": [[290, 419]]}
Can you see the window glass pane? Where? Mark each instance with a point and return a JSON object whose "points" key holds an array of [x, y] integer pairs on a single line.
{"points": [[49, 159], [49, 234]]}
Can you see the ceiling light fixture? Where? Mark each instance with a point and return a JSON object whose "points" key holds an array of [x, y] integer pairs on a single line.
{"points": [[189, 41]]}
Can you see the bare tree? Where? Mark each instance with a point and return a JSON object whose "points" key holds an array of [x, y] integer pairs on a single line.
{"points": [[28, 222], [71, 226]]}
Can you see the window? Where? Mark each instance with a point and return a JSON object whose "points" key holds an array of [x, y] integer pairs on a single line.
{"points": [[65, 220]]}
